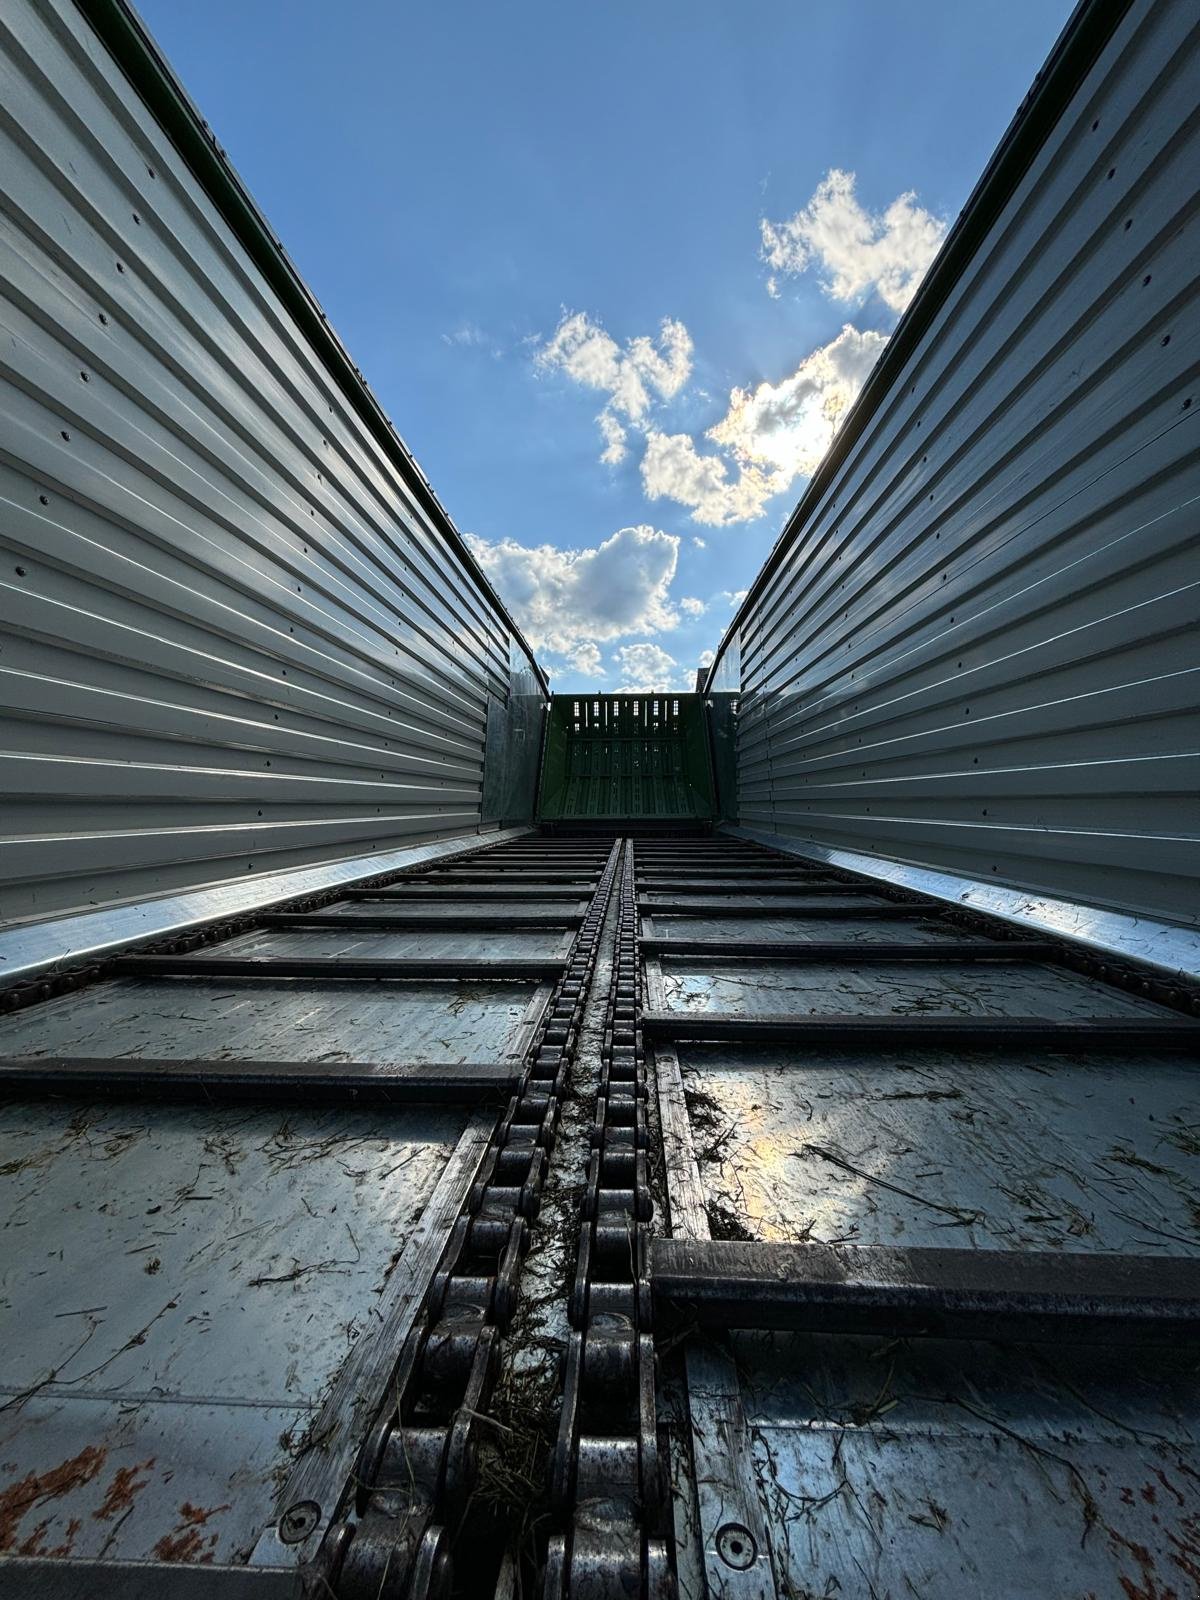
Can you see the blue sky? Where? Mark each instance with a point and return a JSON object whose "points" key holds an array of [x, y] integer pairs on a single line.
{"points": [[539, 228]]}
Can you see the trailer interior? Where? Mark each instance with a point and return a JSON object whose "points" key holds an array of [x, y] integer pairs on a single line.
{"points": [[730, 1145]]}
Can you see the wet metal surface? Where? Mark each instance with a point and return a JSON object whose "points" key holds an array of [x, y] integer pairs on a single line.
{"points": [[395, 945], [889, 1469], [179, 1288], [186, 1018], [733, 931], [1171, 949], [466, 909], [966, 989], [850, 900], [928, 1148], [30, 948]]}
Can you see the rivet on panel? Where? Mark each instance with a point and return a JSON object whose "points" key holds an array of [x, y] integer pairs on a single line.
{"points": [[736, 1547]]}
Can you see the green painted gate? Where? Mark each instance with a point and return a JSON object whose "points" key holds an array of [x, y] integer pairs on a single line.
{"points": [[626, 758]]}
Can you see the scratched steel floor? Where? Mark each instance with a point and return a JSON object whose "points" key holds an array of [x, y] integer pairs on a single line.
{"points": [[200, 1300], [196, 1298], [882, 1467]]}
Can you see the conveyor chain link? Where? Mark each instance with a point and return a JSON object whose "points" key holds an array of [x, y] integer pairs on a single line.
{"points": [[609, 1473], [415, 1473]]}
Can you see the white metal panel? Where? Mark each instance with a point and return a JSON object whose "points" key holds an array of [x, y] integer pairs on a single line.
{"points": [[976, 646], [232, 637]]}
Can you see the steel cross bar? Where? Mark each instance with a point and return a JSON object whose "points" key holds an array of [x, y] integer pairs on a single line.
{"points": [[336, 969], [970, 1033], [815, 907], [780, 952], [354, 921], [290, 1082], [941, 1292], [400, 893]]}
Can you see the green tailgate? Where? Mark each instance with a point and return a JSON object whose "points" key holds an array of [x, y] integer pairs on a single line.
{"points": [[626, 758]]}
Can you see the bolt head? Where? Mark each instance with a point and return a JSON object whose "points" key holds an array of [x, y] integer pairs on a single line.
{"points": [[298, 1521], [736, 1547]]}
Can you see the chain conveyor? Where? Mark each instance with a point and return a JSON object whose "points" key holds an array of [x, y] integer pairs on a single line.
{"points": [[870, 1223]]}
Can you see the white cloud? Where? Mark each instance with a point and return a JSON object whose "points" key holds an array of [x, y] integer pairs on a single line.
{"points": [[568, 600], [586, 659], [858, 251], [772, 435], [672, 468], [467, 333], [786, 427], [734, 596], [699, 543], [692, 607], [707, 657], [634, 377], [615, 449], [645, 668]]}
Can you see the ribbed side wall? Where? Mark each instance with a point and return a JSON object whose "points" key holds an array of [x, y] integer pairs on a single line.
{"points": [[979, 651], [231, 638]]}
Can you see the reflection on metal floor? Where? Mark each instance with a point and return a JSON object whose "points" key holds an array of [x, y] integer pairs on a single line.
{"points": [[582, 1248], [932, 1268]]}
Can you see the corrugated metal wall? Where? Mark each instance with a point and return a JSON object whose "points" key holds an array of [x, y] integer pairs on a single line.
{"points": [[977, 647], [233, 638]]}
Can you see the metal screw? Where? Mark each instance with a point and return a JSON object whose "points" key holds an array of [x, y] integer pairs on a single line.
{"points": [[736, 1546], [298, 1521]]}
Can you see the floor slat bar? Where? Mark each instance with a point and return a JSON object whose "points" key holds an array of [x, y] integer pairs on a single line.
{"points": [[375, 921], [333, 968], [777, 886], [776, 952], [282, 1082], [451, 892], [968, 1033], [944, 1293], [814, 908]]}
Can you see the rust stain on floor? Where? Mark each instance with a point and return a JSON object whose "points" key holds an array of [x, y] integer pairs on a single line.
{"points": [[186, 1542], [125, 1485], [36, 1488]]}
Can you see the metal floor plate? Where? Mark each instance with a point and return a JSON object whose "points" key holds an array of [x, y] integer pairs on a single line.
{"points": [[967, 989], [278, 1019], [180, 1289], [395, 945], [851, 900], [890, 1470], [453, 911], [933, 1148], [747, 930]]}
